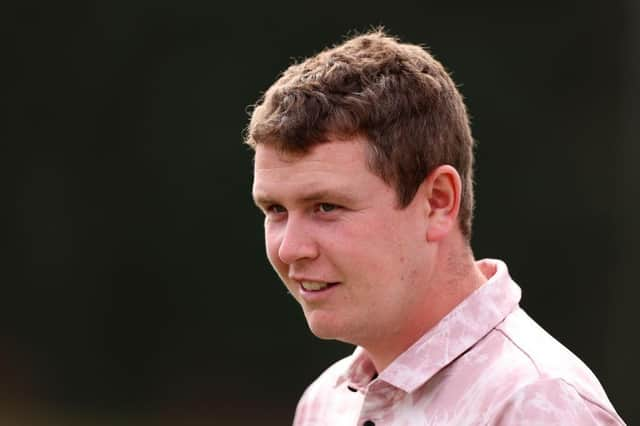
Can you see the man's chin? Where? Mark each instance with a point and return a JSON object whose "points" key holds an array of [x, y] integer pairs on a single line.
{"points": [[322, 333], [324, 329]]}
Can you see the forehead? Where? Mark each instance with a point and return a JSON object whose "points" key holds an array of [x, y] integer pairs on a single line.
{"points": [[326, 166], [336, 151]]}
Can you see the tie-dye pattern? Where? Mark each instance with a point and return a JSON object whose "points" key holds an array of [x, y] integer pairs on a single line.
{"points": [[486, 363]]}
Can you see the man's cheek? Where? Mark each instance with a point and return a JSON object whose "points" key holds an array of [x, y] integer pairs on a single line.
{"points": [[271, 248], [273, 260], [279, 266]]}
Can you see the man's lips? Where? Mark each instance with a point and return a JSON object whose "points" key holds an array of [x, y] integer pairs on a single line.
{"points": [[316, 286]]}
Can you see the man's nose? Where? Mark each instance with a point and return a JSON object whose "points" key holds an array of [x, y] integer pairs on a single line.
{"points": [[297, 242]]}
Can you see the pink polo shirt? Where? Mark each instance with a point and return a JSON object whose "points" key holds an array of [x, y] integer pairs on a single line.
{"points": [[486, 363]]}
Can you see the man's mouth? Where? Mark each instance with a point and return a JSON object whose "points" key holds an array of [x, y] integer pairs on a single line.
{"points": [[315, 285]]}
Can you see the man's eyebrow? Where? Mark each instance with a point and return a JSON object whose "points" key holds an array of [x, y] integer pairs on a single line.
{"points": [[324, 194], [261, 200]]}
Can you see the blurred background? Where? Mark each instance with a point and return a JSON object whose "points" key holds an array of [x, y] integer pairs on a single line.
{"points": [[135, 289]]}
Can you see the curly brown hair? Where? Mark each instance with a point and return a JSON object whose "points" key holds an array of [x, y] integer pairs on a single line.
{"points": [[394, 94]]}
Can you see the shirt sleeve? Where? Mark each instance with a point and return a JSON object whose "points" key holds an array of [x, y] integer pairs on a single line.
{"points": [[303, 409], [552, 402]]}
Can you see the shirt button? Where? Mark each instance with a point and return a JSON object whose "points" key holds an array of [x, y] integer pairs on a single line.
{"points": [[368, 423]]}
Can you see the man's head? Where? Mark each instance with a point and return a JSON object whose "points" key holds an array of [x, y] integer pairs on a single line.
{"points": [[395, 96], [363, 160]]}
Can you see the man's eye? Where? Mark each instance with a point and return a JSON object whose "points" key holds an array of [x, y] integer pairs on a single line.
{"points": [[276, 209], [326, 207]]}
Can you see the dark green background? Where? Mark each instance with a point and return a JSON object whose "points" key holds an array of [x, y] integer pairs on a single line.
{"points": [[135, 286]]}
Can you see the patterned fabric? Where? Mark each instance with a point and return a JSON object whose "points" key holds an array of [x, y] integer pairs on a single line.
{"points": [[486, 363]]}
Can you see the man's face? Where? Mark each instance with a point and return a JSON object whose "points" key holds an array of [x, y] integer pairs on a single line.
{"points": [[339, 242]]}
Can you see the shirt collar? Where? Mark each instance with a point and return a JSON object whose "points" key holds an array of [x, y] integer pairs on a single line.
{"points": [[459, 330]]}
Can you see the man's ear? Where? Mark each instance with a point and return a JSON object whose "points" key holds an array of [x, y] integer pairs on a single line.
{"points": [[443, 189]]}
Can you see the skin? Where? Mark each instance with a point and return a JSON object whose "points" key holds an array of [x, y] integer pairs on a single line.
{"points": [[396, 271]]}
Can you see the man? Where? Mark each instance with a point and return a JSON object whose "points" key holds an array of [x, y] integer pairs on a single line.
{"points": [[363, 169]]}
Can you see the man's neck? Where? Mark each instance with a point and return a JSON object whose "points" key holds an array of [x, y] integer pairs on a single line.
{"points": [[461, 278]]}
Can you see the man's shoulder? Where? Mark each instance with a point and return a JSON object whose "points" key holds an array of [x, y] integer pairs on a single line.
{"points": [[558, 374], [329, 378], [518, 372], [553, 401], [550, 358], [319, 401]]}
